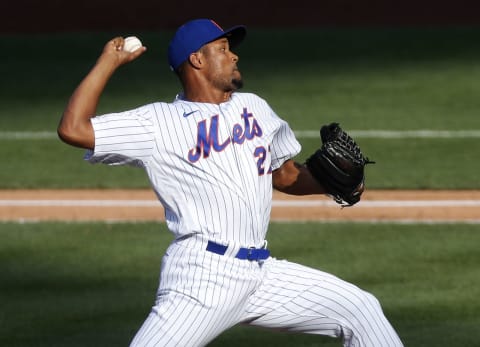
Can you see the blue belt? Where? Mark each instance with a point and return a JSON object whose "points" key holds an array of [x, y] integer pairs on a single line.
{"points": [[253, 254]]}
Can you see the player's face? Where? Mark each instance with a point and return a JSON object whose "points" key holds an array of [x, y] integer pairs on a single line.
{"points": [[222, 66]]}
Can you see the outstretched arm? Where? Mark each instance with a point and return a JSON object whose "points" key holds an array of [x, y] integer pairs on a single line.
{"points": [[295, 179], [75, 127]]}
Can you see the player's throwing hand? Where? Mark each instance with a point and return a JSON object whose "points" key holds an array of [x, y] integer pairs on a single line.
{"points": [[115, 52]]}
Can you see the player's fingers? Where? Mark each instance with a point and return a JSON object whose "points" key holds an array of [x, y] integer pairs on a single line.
{"points": [[115, 44], [114, 51], [136, 53]]}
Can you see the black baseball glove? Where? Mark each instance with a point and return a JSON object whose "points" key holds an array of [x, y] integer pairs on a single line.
{"points": [[339, 165]]}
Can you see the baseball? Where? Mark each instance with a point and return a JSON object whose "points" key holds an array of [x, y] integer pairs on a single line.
{"points": [[131, 44]]}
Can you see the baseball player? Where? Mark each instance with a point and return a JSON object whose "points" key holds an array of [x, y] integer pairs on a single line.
{"points": [[213, 156]]}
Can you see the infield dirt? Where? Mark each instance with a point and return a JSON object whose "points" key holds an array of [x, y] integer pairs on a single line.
{"points": [[141, 205]]}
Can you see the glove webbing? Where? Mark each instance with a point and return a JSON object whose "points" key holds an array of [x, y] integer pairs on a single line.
{"points": [[346, 142]]}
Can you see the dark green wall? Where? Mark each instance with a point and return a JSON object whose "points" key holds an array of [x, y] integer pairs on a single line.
{"points": [[64, 15]]}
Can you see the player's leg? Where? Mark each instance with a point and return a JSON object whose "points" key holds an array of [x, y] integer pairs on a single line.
{"points": [[297, 298], [178, 320], [199, 297]]}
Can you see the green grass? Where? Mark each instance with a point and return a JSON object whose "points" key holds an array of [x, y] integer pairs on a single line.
{"points": [[366, 79], [52, 164], [93, 284], [400, 163], [393, 78]]}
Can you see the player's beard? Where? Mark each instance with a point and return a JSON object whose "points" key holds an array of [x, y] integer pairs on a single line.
{"points": [[237, 80], [229, 83], [237, 83]]}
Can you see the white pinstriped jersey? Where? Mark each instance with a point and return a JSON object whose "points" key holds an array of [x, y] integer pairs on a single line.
{"points": [[210, 165]]}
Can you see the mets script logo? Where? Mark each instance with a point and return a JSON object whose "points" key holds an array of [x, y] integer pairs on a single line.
{"points": [[207, 136]]}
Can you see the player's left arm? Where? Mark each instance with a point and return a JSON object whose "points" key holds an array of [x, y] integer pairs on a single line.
{"points": [[295, 179]]}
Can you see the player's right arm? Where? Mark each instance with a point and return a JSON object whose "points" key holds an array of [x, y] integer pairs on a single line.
{"points": [[75, 127]]}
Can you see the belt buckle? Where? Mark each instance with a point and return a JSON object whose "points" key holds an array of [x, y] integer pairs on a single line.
{"points": [[254, 254]]}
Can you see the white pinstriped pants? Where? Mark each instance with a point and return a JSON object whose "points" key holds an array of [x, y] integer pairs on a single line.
{"points": [[201, 294]]}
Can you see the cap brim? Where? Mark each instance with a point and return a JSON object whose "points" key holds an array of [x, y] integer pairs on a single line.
{"points": [[235, 35]]}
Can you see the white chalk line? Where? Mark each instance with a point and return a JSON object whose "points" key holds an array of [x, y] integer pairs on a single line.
{"points": [[401, 221], [305, 134], [275, 203], [406, 221], [28, 135], [399, 134], [80, 203], [380, 203]]}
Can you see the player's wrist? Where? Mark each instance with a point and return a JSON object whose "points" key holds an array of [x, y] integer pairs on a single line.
{"points": [[106, 65]]}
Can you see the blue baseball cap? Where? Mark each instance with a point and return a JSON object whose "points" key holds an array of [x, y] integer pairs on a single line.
{"points": [[191, 36]]}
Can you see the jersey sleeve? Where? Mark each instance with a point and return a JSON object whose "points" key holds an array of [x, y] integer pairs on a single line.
{"points": [[125, 138], [284, 145]]}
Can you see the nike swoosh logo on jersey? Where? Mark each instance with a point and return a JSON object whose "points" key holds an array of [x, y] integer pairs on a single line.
{"points": [[186, 114]]}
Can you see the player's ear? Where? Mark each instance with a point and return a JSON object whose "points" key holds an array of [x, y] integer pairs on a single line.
{"points": [[196, 59]]}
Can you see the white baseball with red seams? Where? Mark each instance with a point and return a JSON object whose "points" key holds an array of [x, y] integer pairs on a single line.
{"points": [[211, 167], [131, 44]]}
